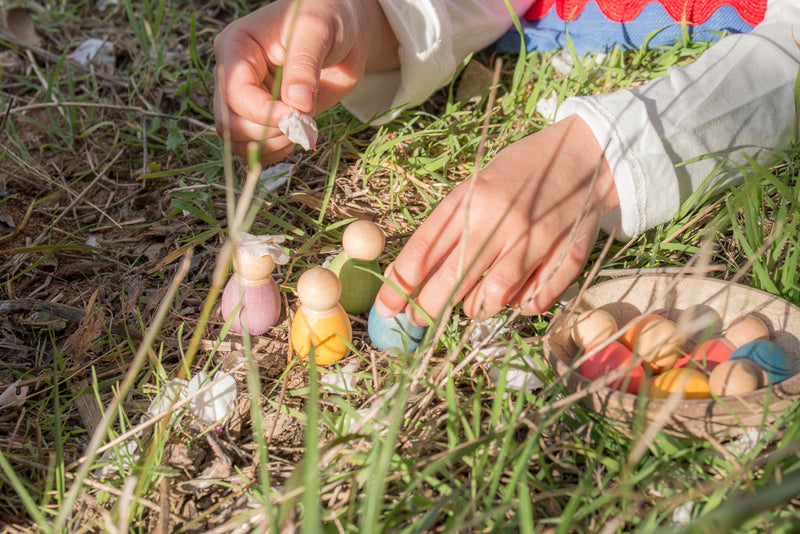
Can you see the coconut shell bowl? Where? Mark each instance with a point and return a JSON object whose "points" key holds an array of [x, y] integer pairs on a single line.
{"points": [[702, 309]]}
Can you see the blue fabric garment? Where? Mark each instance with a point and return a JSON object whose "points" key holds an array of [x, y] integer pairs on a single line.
{"points": [[593, 32]]}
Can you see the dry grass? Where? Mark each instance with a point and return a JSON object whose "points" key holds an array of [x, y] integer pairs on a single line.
{"points": [[113, 207]]}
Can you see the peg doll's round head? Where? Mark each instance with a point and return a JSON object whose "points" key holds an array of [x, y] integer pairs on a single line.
{"points": [[252, 267], [318, 289], [363, 240]]}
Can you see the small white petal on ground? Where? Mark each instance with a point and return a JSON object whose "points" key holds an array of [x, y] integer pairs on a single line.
{"points": [[276, 176], [209, 407], [342, 381], [682, 515], [13, 396], [94, 50], [124, 455], [747, 442], [519, 373], [216, 403]]}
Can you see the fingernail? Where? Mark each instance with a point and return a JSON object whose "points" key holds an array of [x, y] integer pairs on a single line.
{"points": [[383, 310], [415, 318], [300, 97]]}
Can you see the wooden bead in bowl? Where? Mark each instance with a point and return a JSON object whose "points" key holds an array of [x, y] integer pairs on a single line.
{"points": [[736, 377], [745, 329], [634, 327], [660, 344], [593, 327], [603, 360], [700, 322], [707, 355], [691, 383], [771, 357]]}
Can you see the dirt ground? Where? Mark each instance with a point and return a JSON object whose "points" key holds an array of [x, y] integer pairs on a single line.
{"points": [[91, 236]]}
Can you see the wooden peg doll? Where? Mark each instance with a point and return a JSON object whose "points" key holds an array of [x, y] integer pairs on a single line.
{"points": [[251, 293], [320, 323], [363, 243]]}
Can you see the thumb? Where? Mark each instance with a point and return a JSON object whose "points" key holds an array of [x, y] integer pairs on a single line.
{"points": [[307, 51]]}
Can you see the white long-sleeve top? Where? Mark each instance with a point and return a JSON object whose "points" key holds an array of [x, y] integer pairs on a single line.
{"points": [[736, 99]]}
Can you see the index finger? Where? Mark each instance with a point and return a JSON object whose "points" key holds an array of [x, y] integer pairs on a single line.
{"points": [[429, 245], [242, 86]]}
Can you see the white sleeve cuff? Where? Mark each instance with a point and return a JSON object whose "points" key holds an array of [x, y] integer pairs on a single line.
{"points": [[692, 129], [643, 172], [427, 62]]}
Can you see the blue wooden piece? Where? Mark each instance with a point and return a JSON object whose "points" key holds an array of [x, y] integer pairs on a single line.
{"points": [[395, 334], [770, 356]]}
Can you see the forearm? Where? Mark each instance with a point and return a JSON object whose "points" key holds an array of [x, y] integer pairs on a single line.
{"points": [[382, 53]]}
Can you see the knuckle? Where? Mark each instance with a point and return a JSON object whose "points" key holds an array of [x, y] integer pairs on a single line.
{"points": [[451, 273], [219, 41], [303, 61], [390, 297], [316, 27], [497, 292]]}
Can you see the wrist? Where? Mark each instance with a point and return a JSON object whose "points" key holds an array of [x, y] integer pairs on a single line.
{"points": [[378, 37], [594, 166]]}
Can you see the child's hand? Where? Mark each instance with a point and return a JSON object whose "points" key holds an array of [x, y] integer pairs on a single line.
{"points": [[324, 47], [521, 213]]}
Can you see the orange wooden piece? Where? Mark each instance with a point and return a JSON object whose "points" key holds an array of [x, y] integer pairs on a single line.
{"points": [[636, 324]]}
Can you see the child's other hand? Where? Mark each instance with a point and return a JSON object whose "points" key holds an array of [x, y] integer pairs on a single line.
{"points": [[324, 47], [523, 209]]}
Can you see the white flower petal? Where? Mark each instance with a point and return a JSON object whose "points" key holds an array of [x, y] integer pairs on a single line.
{"points": [[299, 128], [124, 455], [214, 404], [746, 442], [487, 328], [341, 382], [94, 50], [258, 246], [275, 176], [518, 377], [171, 393], [682, 515], [12, 397]]}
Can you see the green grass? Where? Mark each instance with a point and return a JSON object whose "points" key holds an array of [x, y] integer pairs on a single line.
{"points": [[443, 448]]}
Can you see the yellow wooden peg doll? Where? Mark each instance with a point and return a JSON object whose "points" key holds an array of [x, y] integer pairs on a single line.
{"points": [[320, 324]]}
